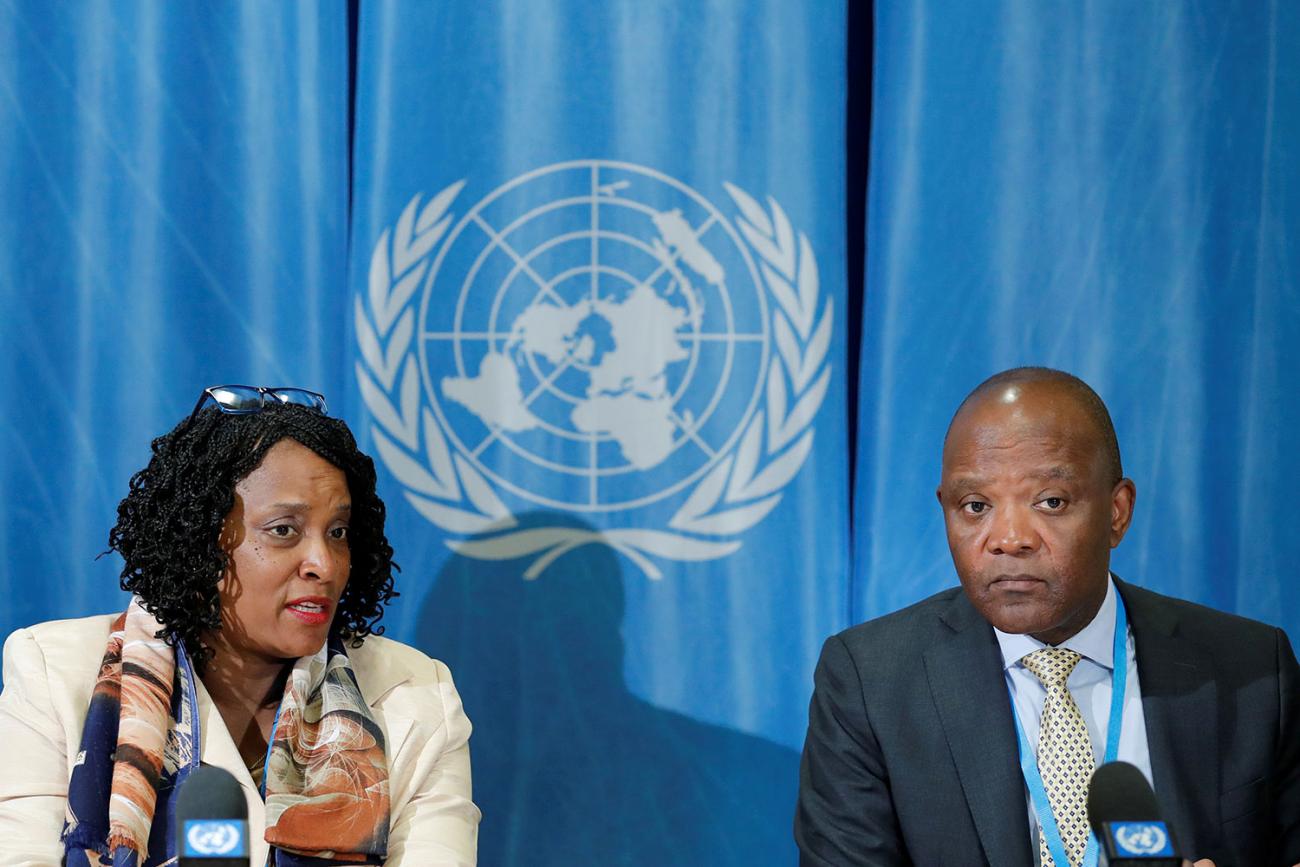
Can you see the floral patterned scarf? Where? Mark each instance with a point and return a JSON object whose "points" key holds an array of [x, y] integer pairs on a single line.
{"points": [[326, 779]]}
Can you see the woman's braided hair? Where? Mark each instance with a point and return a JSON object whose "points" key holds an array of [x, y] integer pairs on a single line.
{"points": [[169, 526]]}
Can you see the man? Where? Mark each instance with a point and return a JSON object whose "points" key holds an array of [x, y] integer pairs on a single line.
{"points": [[912, 754]]}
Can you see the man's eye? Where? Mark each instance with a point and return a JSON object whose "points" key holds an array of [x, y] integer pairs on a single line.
{"points": [[975, 508], [1053, 504]]}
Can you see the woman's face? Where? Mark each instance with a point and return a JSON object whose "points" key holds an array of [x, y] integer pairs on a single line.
{"points": [[287, 537]]}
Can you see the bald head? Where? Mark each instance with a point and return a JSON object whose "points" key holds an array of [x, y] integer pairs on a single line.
{"points": [[1033, 501], [1021, 384]]}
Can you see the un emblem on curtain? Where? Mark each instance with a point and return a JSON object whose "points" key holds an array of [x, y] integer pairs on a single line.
{"points": [[595, 338]]}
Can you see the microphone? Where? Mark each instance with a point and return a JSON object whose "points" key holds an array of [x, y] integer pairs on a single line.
{"points": [[211, 820], [1124, 815]]}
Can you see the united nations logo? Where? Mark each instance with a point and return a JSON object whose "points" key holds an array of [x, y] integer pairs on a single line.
{"points": [[1142, 838], [598, 338], [210, 838]]}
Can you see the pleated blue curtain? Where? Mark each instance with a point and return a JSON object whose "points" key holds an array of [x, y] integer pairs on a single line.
{"points": [[1104, 187], [1108, 188], [641, 701], [174, 214]]}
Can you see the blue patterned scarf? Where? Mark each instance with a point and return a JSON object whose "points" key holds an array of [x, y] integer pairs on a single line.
{"points": [[326, 780]]}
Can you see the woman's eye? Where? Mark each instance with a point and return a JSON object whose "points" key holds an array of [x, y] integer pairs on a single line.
{"points": [[339, 533], [282, 531], [976, 507]]}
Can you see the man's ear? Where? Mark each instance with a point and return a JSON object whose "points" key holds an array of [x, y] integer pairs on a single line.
{"points": [[1122, 499]]}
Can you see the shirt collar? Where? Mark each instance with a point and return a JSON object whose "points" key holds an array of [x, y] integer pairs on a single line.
{"points": [[1096, 641]]}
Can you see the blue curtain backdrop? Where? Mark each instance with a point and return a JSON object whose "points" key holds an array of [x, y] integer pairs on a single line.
{"points": [[174, 215], [587, 280], [1111, 189], [541, 191]]}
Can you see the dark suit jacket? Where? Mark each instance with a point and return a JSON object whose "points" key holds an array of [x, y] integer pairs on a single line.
{"points": [[911, 753]]}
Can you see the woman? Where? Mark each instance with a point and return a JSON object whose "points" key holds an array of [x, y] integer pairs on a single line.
{"points": [[255, 552]]}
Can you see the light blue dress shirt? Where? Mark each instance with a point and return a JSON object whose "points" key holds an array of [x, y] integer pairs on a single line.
{"points": [[1089, 684]]}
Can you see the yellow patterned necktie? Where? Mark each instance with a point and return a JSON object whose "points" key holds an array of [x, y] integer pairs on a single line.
{"points": [[1065, 759]]}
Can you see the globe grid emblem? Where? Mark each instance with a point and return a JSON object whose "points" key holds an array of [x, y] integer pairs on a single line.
{"points": [[599, 338], [208, 838], [1142, 838], [599, 267]]}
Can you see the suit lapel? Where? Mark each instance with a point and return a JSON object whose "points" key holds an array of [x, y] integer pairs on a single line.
{"points": [[964, 669], [1180, 703], [378, 674]]}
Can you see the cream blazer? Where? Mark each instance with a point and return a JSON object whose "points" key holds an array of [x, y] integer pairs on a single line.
{"points": [[50, 671]]}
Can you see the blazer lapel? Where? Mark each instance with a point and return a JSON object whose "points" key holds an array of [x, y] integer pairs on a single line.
{"points": [[377, 675], [1180, 703], [964, 669]]}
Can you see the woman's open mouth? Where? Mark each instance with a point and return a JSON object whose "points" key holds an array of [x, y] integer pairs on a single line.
{"points": [[312, 610]]}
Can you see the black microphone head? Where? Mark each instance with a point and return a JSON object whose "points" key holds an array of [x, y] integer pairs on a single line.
{"points": [[211, 820], [1120, 793], [1125, 816]]}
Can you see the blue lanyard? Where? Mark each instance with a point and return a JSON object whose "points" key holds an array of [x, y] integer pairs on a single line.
{"points": [[270, 746], [1029, 763], [266, 771]]}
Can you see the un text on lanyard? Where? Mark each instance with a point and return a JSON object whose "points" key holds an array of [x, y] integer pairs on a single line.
{"points": [[1029, 761]]}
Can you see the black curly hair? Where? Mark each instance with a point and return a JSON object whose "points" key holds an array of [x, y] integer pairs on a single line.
{"points": [[169, 525]]}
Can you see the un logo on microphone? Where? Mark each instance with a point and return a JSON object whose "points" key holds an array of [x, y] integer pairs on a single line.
{"points": [[213, 838], [597, 338], [1141, 838]]}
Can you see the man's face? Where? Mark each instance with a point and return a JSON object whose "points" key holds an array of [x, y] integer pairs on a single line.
{"points": [[1030, 513]]}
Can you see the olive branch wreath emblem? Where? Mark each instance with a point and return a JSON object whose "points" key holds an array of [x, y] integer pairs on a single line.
{"points": [[735, 494]]}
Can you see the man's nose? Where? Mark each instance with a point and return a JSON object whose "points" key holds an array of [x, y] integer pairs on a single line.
{"points": [[1012, 532]]}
